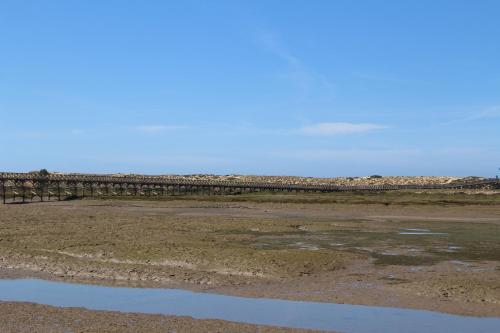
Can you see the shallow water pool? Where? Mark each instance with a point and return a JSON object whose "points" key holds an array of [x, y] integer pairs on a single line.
{"points": [[313, 315]]}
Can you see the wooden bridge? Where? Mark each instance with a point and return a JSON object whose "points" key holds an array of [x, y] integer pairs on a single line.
{"points": [[24, 187]]}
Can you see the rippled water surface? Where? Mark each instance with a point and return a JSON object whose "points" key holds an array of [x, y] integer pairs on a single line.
{"points": [[314, 315]]}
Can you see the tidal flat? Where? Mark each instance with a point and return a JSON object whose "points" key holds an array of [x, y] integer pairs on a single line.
{"points": [[436, 251]]}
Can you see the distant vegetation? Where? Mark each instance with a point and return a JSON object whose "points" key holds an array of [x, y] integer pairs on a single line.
{"points": [[402, 198]]}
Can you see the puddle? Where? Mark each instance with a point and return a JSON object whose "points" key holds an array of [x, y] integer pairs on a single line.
{"points": [[459, 262], [422, 233], [414, 269], [312, 315], [417, 230], [389, 254], [303, 246], [367, 249], [450, 249]]}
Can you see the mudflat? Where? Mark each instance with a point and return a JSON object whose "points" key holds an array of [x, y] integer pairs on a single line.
{"points": [[28, 318], [426, 250]]}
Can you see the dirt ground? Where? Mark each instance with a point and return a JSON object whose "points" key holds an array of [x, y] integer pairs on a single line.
{"points": [[435, 251], [29, 318]]}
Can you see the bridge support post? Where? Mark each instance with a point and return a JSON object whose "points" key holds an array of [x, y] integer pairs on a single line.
{"points": [[3, 191]]}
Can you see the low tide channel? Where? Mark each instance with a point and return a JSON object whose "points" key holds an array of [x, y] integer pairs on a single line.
{"points": [[298, 314]]}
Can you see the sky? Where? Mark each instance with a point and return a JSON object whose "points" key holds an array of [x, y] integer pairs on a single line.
{"points": [[310, 88]]}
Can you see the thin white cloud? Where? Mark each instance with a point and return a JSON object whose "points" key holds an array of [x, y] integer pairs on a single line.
{"points": [[158, 128], [385, 77], [271, 42], [305, 78], [378, 155], [172, 164], [339, 128], [409, 160], [491, 112]]}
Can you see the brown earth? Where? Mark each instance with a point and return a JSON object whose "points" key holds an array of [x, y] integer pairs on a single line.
{"points": [[346, 248], [29, 318]]}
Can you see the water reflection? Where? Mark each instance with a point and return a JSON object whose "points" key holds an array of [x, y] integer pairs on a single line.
{"points": [[313, 315]]}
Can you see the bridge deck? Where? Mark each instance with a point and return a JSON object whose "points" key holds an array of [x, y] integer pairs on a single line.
{"points": [[24, 186]]}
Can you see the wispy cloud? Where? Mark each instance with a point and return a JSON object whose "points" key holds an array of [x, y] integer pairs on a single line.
{"points": [[491, 112], [385, 78], [318, 129], [307, 79], [373, 154], [77, 131], [158, 128], [273, 44], [400, 160], [339, 128]]}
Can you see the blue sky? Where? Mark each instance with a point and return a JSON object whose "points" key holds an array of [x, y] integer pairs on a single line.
{"points": [[314, 88]]}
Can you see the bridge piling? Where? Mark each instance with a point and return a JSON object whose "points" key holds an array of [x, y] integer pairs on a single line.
{"points": [[15, 185]]}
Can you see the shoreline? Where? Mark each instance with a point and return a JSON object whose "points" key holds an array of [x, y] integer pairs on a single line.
{"points": [[377, 297]]}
